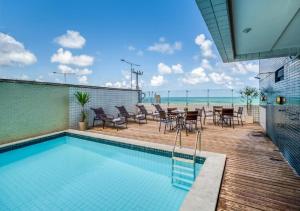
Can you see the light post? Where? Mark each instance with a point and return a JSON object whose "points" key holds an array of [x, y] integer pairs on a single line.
{"points": [[65, 75], [131, 69]]}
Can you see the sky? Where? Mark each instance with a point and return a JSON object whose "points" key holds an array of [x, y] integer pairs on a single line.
{"points": [[87, 40]]}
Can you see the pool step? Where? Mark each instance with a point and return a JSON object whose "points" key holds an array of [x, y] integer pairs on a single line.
{"points": [[184, 160], [184, 187], [185, 168], [186, 174], [180, 180]]}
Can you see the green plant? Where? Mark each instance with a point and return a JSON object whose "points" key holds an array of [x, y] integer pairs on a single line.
{"points": [[248, 94], [82, 98]]}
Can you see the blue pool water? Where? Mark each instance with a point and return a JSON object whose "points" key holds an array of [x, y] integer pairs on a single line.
{"points": [[69, 173]]}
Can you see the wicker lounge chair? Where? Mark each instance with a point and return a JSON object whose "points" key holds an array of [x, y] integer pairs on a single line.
{"points": [[100, 115], [129, 115], [144, 111]]}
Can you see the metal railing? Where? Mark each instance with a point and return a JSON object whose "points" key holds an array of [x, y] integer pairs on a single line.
{"points": [[205, 97]]}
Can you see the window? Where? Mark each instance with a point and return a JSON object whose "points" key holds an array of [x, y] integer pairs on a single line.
{"points": [[279, 74]]}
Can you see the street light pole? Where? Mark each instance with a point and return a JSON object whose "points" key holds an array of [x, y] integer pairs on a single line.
{"points": [[131, 69], [137, 73], [65, 75]]}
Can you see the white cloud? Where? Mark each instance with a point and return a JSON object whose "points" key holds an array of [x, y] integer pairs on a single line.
{"points": [[177, 68], [13, 52], [118, 84], [126, 74], [137, 51], [40, 78], [196, 76], [157, 80], [162, 39], [82, 79], [205, 46], [72, 39], [131, 48], [140, 53], [65, 69], [164, 69], [65, 57], [24, 77], [165, 48], [222, 79], [84, 71], [245, 67], [206, 64], [108, 84], [77, 71]]}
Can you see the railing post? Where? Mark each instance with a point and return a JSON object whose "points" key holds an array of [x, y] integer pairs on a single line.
{"points": [[186, 97], [168, 98], [232, 98], [152, 97], [207, 97]]}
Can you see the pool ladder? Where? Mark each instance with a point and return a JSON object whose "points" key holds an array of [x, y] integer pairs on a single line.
{"points": [[184, 175]]}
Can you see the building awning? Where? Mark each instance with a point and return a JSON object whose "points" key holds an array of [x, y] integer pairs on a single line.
{"points": [[253, 29]]}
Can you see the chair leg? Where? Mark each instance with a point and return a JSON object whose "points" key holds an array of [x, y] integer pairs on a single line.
{"points": [[159, 126], [165, 128], [242, 121], [232, 123], [204, 120]]}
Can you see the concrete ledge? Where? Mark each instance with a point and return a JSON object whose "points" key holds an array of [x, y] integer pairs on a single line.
{"points": [[204, 193]]}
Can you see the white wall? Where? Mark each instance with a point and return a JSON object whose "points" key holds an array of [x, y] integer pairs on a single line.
{"points": [[262, 117], [101, 97]]}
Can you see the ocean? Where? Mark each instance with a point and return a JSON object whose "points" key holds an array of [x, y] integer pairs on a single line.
{"points": [[202, 100]]}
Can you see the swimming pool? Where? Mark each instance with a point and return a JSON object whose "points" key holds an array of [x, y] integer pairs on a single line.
{"points": [[72, 173]]}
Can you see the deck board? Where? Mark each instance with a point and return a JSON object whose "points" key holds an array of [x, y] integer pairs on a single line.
{"points": [[252, 181]]}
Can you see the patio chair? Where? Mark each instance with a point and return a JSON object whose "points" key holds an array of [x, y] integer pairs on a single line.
{"points": [[238, 115], [190, 120], [144, 111], [207, 114], [227, 116], [170, 112], [100, 115], [165, 119], [200, 111], [158, 108], [129, 115]]}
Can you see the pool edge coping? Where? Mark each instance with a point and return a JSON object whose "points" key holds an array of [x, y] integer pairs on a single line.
{"points": [[201, 196]]}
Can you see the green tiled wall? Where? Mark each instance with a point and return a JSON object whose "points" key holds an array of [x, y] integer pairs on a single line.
{"points": [[28, 110]]}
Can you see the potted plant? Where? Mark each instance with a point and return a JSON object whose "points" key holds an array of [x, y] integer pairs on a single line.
{"points": [[248, 94], [82, 98]]}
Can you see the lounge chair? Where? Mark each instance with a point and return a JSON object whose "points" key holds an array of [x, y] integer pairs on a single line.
{"points": [[129, 115], [144, 111], [158, 108], [100, 115]]}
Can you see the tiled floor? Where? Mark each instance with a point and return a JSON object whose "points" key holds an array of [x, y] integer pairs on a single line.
{"points": [[252, 181]]}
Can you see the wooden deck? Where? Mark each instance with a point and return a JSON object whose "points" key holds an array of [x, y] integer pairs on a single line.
{"points": [[252, 181]]}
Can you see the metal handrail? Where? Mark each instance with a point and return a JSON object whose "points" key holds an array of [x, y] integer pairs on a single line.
{"points": [[178, 133], [198, 141]]}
